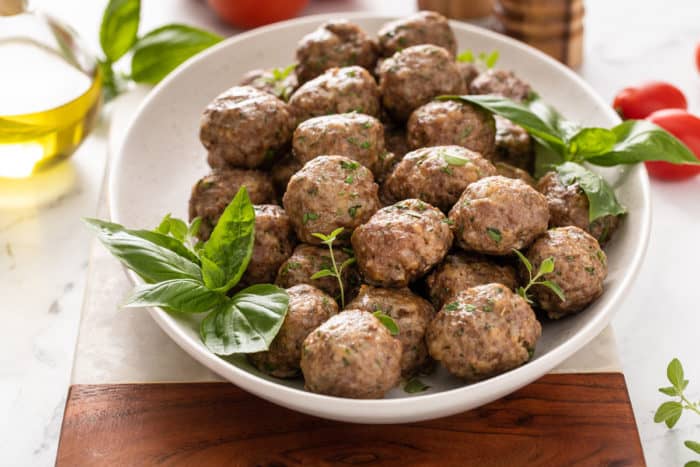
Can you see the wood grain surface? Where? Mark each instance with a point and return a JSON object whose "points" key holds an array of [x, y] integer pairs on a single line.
{"points": [[564, 419]]}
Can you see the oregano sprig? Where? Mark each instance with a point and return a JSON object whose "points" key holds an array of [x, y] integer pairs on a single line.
{"points": [[670, 412], [546, 267], [335, 271], [487, 59]]}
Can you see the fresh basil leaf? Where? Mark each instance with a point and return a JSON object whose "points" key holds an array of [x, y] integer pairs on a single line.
{"points": [[178, 228], [415, 385], [601, 197], [692, 464], [516, 112], [551, 116], [693, 445], [153, 256], [193, 229], [668, 410], [112, 83], [230, 245], [591, 142], [387, 321], [248, 322], [322, 273], [466, 57], [120, 25], [523, 259], [546, 159], [183, 295], [640, 140], [164, 226], [162, 50], [674, 373]]}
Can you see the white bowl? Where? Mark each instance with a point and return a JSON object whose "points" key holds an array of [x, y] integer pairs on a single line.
{"points": [[161, 158]]}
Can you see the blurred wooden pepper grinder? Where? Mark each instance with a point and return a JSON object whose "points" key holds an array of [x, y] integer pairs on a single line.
{"points": [[553, 26]]}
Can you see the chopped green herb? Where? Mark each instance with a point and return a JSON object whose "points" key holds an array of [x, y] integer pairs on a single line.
{"points": [[309, 216], [414, 385], [451, 306], [349, 179], [352, 210], [494, 233], [349, 165]]}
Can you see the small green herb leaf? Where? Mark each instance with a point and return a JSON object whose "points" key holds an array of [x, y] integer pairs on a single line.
{"points": [[309, 216], [494, 233], [387, 321], [523, 259], [183, 295], [554, 287], [248, 322], [153, 256], [162, 50], [491, 59], [674, 373], [546, 266], [322, 273], [225, 256], [120, 25], [668, 411], [454, 159], [601, 197], [693, 445], [415, 385], [669, 391], [692, 464], [466, 57]]}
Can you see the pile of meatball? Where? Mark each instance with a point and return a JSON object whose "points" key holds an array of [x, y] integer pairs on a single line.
{"points": [[433, 197]]}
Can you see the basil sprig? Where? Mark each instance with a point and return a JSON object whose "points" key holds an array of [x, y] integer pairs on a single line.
{"points": [[155, 54], [184, 275], [564, 145]]}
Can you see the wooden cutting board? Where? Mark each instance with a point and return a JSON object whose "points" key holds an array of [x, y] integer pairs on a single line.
{"points": [[561, 419]]}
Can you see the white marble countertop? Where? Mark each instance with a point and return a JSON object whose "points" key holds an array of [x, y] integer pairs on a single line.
{"points": [[44, 249]]}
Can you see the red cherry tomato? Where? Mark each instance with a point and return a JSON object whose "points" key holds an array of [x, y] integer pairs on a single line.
{"points": [[685, 127], [640, 101], [254, 13]]}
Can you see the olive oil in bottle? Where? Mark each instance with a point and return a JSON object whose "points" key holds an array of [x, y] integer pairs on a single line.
{"points": [[49, 91]]}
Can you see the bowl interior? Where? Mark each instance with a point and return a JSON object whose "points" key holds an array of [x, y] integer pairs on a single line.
{"points": [[162, 157]]}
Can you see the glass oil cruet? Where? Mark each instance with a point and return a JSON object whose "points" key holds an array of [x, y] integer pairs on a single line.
{"points": [[49, 90]]}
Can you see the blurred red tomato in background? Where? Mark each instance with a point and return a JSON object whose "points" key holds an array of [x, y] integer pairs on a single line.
{"points": [[641, 100], [254, 13], [685, 127]]}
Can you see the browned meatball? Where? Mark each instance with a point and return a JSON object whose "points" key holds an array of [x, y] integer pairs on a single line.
{"points": [[414, 76], [580, 267], [357, 136], [568, 205], [401, 242], [274, 242], [437, 175], [514, 145], [386, 164], [425, 27], [246, 127], [337, 91], [351, 355], [336, 43], [277, 81], [212, 193], [501, 83], [282, 171], [307, 260], [485, 331], [460, 271], [412, 315], [497, 214], [509, 171], [469, 72], [443, 123], [308, 309], [327, 193]]}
